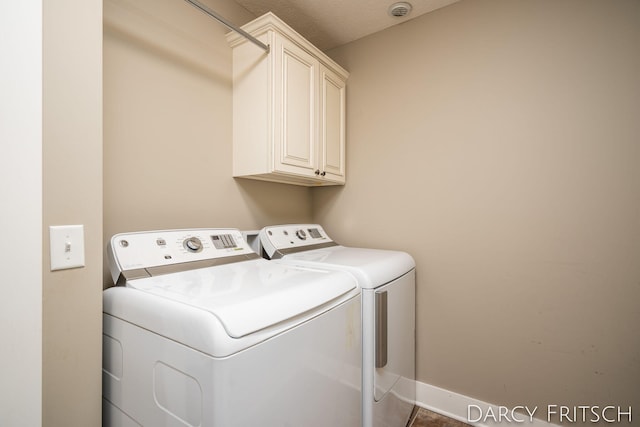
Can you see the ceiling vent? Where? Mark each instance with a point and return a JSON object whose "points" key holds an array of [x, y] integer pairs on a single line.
{"points": [[400, 9]]}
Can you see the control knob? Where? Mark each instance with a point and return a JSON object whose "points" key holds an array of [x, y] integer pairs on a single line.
{"points": [[193, 244], [301, 234]]}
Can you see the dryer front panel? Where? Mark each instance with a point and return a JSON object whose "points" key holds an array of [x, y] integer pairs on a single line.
{"points": [[394, 343], [389, 352]]}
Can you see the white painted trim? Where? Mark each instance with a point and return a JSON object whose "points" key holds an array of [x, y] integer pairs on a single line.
{"points": [[21, 214], [456, 406]]}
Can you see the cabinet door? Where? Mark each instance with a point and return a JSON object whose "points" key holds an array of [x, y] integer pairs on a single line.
{"points": [[296, 112], [332, 126]]}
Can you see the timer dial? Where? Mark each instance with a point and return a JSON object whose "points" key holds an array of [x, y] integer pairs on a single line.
{"points": [[301, 234], [192, 244]]}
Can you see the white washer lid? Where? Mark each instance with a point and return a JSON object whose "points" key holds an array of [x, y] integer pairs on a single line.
{"points": [[252, 295], [373, 267]]}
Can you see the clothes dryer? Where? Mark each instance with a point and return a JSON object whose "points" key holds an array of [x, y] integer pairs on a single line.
{"points": [[201, 331], [387, 279]]}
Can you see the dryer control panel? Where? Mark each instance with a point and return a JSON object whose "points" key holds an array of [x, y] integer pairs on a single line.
{"points": [[282, 239], [172, 250]]}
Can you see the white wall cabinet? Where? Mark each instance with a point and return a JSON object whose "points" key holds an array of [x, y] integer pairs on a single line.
{"points": [[288, 108]]}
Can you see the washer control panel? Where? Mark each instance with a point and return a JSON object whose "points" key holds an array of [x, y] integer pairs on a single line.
{"points": [[129, 251], [286, 237]]}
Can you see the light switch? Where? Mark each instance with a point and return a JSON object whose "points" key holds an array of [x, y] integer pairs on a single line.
{"points": [[66, 245]]}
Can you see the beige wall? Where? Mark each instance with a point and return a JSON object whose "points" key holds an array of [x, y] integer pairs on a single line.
{"points": [[168, 125], [72, 194], [166, 163], [498, 142], [500, 137]]}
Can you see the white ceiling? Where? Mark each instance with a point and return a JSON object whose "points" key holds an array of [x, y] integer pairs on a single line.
{"points": [[331, 23]]}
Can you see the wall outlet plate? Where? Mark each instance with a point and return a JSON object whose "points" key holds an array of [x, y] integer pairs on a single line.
{"points": [[66, 245]]}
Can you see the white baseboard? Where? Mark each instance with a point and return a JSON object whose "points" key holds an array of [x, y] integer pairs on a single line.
{"points": [[473, 411]]}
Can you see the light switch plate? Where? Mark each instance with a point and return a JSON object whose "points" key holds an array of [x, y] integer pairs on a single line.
{"points": [[66, 245]]}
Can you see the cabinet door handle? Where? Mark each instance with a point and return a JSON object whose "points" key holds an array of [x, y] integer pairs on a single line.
{"points": [[381, 329], [317, 172], [323, 173]]}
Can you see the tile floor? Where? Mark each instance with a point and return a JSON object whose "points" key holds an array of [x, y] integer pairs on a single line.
{"points": [[425, 418]]}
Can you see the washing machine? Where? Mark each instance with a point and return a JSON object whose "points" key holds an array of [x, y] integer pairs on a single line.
{"points": [[387, 280], [202, 331]]}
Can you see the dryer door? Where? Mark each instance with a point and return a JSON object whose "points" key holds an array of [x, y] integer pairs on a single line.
{"points": [[394, 338]]}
